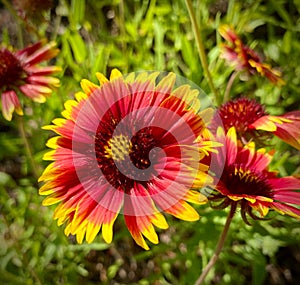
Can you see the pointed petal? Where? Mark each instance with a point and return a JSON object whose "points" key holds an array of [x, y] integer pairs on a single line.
{"points": [[107, 229], [29, 50], [264, 123], [235, 197], [42, 71], [112, 202], [10, 103], [43, 80], [135, 232], [88, 87], [147, 229], [101, 78], [286, 196], [195, 197], [231, 145], [36, 92], [91, 231], [115, 73], [183, 211], [166, 84], [44, 53], [159, 221], [80, 234], [285, 183], [261, 208], [286, 209]]}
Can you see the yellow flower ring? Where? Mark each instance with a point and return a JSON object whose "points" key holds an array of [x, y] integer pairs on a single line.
{"points": [[136, 144]]}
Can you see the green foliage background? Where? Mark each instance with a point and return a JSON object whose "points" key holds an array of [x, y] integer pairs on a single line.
{"points": [[147, 35]]}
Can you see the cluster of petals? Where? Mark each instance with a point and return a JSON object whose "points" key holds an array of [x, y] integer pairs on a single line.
{"points": [[243, 58], [134, 145], [286, 127], [253, 123], [21, 73]]}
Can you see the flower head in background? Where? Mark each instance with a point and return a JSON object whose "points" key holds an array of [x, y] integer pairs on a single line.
{"points": [[20, 73], [132, 144], [32, 9], [243, 58], [247, 182], [252, 122]]}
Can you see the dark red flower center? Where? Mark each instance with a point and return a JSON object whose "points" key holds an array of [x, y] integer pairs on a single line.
{"points": [[241, 113], [141, 145], [127, 157], [240, 180], [11, 71]]}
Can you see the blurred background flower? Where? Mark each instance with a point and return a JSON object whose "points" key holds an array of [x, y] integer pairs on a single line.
{"points": [[253, 123], [32, 10], [243, 58], [20, 73]]}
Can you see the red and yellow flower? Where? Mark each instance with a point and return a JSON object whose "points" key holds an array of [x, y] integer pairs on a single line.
{"points": [[247, 182], [20, 73], [252, 122], [243, 58], [134, 144]]}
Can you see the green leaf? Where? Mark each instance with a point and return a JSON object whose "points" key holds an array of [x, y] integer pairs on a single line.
{"points": [[159, 45], [259, 270], [87, 247], [113, 269], [100, 61], [287, 42], [77, 11], [78, 47]]}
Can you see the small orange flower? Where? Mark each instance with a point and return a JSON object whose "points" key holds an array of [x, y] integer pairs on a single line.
{"points": [[246, 181], [20, 73], [244, 58]]}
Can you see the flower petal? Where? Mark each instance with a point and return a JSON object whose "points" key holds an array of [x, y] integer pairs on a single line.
{"points": [[286, 209], [231, 145], [44, 53], [88, 87], [285, 183], [183, 211], [10, 103]]}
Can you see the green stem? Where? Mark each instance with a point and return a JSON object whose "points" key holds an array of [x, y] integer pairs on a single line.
{"points": [[122, 24], [19, 26], [229, 86], [201, 50], [27, 147], [219, 247], [123, 33], [57, 22]]}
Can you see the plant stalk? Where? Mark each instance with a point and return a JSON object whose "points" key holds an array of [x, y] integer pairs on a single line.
{"points": [[201, 50], [27, 147], [19, 24], [219, 247], [229, 86]]}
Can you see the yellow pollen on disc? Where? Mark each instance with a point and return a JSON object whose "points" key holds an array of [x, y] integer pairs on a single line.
{"points": [[246, 175], [118, 147]]}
